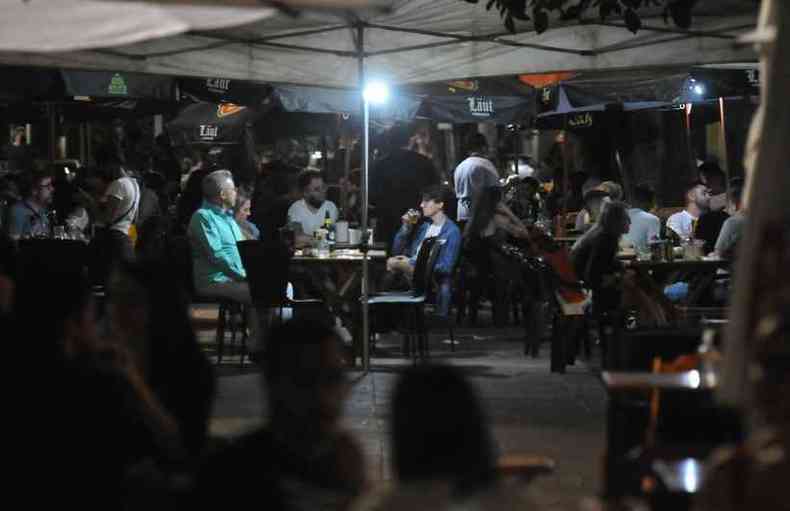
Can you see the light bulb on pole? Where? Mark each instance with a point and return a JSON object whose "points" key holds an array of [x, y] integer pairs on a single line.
{"points": [[376, 92]]}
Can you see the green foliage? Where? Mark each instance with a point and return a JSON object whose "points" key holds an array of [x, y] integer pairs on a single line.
{"points": [[679, 11]]}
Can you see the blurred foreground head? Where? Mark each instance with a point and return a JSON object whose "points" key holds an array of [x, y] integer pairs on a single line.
{"points": [[439, 430], [304, 376]]}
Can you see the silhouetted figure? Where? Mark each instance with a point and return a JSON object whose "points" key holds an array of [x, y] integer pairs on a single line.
{"points": [[439, 431], [396, 181], [94, 418], [148, 313], [302, 459]]}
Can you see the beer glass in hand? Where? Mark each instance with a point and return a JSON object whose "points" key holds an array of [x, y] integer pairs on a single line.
{"points": [[410, 218]]}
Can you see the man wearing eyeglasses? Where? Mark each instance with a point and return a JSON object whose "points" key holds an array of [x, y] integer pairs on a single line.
{"points": [[30, 216]]}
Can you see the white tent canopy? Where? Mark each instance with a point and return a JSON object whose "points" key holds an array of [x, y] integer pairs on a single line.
{"points": [[416, 41]]}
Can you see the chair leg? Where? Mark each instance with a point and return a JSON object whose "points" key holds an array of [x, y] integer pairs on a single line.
{"points": [[422, 331], [221, 322], [514, 302], [558, 343], [416, 341], [233, 326], [244, 335]]}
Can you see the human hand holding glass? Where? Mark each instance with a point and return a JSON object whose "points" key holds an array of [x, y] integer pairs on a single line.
{"points": [[411, 217]]}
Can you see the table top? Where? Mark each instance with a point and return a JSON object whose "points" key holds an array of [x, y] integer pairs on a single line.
{"points": [[339, 256], [686, 380]]}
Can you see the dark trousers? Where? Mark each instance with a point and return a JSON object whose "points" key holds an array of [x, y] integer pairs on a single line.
{"points": [[109, 248]]}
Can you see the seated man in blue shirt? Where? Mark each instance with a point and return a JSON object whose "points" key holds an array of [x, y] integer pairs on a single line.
{"points": [[30, 216], [405, 252], [213, 234]]}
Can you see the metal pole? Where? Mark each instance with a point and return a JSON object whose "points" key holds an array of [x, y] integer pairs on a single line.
{"points": [[723, 145], [365, 166], [565, 178]]}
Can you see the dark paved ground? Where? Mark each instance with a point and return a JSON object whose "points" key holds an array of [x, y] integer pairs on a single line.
{"points": [[532, 411]]}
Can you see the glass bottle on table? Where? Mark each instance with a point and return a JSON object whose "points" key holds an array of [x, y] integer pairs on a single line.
{"points": [[329, 227]]}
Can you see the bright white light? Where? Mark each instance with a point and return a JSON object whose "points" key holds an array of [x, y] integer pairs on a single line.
{"points": [[699, 89], [690, 474], [317, 155], [376, 93], [693, 379]]}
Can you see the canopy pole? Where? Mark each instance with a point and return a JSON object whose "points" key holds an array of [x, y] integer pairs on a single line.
{"points": [[565, 178], [723, 144], [365, 169]]}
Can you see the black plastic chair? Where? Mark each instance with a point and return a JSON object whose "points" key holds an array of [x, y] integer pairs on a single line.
{"points": [[267, 264], [415, 298], [230, 314]]}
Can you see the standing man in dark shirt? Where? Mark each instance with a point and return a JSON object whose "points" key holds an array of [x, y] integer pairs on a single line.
{"points": [[397, 180]]}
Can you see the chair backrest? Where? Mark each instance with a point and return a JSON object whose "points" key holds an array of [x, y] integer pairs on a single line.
{"points": [[179, 252], [423, 268], [266, 264]]}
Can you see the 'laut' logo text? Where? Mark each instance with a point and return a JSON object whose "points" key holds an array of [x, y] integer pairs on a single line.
{"points": [[481, 107]]}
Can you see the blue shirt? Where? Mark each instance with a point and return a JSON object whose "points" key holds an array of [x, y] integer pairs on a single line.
{"points": [[25, 220], [451, 235], [213, 233]]}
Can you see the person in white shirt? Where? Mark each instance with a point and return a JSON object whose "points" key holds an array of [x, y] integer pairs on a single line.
{"points": [[684, 222], [119, 206], [117, 210], [645, 227], [472, 175], [310, 211]]}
